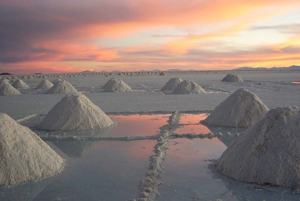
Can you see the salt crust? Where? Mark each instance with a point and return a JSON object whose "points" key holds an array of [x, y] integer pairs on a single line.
{"points": [[45, 85], [232, 78], [62, 87], [75, 112], [171, 84], [268, 152], [116, 85], [7, 90], [188, 87], [241, 110], [20, 84], [23, 155]]}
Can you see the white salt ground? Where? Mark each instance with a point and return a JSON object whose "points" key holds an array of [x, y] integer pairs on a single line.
{"points": [[241, 110], [267, 152], [23, 155], [75, 112]]}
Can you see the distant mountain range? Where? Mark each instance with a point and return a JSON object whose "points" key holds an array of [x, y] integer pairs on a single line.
{"points": [[274, 68], [5, 74]]}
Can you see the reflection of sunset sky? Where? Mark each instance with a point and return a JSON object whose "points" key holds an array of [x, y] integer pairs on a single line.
{"points": [[190, 124], [139, 125]]}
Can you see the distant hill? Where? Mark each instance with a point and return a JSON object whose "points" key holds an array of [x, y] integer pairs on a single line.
{"points": [[5, 74], [274, 68]]}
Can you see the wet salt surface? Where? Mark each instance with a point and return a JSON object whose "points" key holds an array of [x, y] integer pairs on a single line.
{"points": [[113, 169]]}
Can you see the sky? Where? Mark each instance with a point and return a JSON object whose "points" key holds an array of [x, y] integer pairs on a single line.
{"points": [[55, 36]]}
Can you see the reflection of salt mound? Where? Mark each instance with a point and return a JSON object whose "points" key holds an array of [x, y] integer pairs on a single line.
{"points": [[240, 109], [115, 84], [75, 149], [20, 84], [62, 87], [7, 90], [268, 152], [232, 78], [171, 84], [45, 84], [188, 87], [23, 155], [75, 112]]}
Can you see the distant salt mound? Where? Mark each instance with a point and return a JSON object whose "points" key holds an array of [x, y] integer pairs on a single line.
{"points": [[232, 78], [62, 87], [56, 81], [75, 112], [23, 155], [3, 81], [241, 110], [171, 84], [268, 152], [188, 87], [7, 90], [45, 85], [116, 85], [20, 84]]}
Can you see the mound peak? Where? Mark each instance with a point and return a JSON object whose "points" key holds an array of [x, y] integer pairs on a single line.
{"points": [[171, 84], [115, 84], [20, 84], [188, 87], [45, 84], [7, 90], [62, 87], [241, 110], [75, 112], [232, 78]]}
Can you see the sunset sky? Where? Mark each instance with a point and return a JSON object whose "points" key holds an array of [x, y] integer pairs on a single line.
{"points": [[130, 35]]}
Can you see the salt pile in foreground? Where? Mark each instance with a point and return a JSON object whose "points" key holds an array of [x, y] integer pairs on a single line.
{"points": [[75, 112], [62, 87], [268, 152], [232, 78], [171, 84], [45, 85], [116, 85], [23, 155], [240, 110], [7, 90], [188, 87]]}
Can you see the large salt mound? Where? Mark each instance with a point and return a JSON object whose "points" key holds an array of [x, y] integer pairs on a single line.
{"points": [[7, 90], [232, 78], [268, 152], [20, 84], [45, 85], [75, 112], [62, 87], [23, 155], [115, 84], [240, 110], [188, 87], [171, 84]]}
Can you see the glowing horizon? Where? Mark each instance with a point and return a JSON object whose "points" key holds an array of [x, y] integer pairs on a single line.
{"points": [[129, 35]]}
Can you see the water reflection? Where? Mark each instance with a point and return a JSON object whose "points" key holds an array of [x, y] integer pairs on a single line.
{"points": [[75, 149], [189, 123]]}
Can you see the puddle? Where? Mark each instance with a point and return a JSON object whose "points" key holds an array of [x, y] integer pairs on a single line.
{"points": [[138, 125], [296, 82], [189, 123], [110, 170]]}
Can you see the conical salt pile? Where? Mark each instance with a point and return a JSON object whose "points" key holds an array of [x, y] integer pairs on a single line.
{"points": [[115, 84], [171, 84], [232, 78], [62, 87], [45, 84], [7, 90], [56, 81], [3, 81], [75, 112], [268, 152], [188, 87], [23, 155], [241, 110], [20, 84]]}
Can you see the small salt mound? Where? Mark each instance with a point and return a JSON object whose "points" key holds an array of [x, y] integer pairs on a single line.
{"points": [[20, 84], [75, 112], [268, 152], [7, 90], [23, 155], [188, 87], [62, 87], [241, 110], [56, 81], [232, 78], [171, 84], [45, 84], [115, 84], [3, 81]]}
